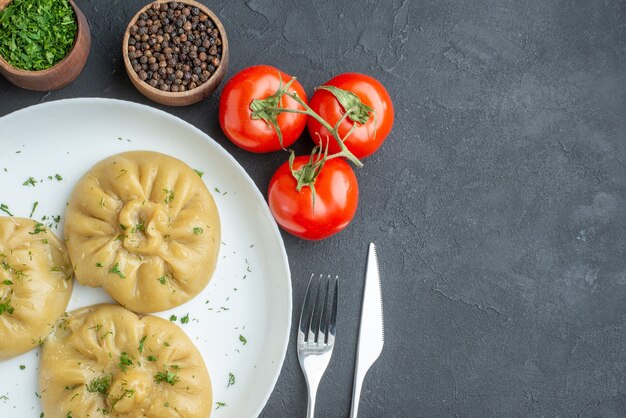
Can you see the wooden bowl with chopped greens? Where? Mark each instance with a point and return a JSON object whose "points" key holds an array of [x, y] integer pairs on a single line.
{"points": [[53, 49]]}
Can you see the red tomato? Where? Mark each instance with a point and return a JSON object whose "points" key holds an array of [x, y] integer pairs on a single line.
{"points": [[365, 139], [336, 200], [259, 82]]}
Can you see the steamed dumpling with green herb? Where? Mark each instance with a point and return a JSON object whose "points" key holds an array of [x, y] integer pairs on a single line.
{"points": [[104, 360], [35, 284], [144, 227]]}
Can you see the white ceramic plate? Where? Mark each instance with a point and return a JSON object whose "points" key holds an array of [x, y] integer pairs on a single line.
{"points": [[250, 293]]}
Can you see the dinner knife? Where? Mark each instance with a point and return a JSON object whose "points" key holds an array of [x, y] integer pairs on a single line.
{"points": [[371, 330]]}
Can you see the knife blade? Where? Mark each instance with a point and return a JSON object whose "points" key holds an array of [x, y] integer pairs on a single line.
{"points": [[371, 330]]}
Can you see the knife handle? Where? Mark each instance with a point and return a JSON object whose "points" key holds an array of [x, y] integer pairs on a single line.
{"points": [[356, 392]]}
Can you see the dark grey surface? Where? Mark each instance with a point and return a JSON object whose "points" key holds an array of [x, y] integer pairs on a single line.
{"points": [[497, 203]]}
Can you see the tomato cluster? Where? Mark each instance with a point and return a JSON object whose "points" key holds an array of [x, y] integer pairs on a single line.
{"points": [[262, 109]]}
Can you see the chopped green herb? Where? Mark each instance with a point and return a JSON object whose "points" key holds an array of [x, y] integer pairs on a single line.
{"points": [[243, 339], [162, 280], [22, 367], [123, 227], [152, 358], [116, 270], [184, 319], [4, 208], [5, 306], [199, 173], [220, 404], [7, 282], [99, 264], [69, 414], [120, 238], [231, 380], [38, 228], [143, 340], [30, 182], [169, 196], [167, 344], [173, 318], [217, 190], [58, 177], [33, 209], [168, 377], [37, 35], [125, 361], [197, 231], [100, 384]]}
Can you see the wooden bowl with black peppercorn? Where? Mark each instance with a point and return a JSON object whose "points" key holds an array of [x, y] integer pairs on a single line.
{"points": [[175, 53], [59, 74]]}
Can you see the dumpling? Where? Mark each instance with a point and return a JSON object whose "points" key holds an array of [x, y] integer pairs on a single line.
{"points": [[104, 360], [35, 284], [144, 227]]}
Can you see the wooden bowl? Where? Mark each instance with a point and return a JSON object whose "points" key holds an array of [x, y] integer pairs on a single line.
{"points": [[186, 97], [62, 73]]}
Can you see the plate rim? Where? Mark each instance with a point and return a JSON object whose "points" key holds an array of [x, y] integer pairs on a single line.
{"points": [[206, 137]]}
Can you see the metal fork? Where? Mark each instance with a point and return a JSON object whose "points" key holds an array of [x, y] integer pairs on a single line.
{"points": [[316, 334]]}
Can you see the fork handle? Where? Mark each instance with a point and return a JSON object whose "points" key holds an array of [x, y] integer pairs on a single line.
{"points": [[310, 408]]}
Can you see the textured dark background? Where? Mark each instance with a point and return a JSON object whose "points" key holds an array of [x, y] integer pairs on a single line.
{"points": [[497, 203]]}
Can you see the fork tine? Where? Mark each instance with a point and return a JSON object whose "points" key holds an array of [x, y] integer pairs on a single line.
{"points": [[332, 327], [315, 314], [324, 314], [303, 328]]}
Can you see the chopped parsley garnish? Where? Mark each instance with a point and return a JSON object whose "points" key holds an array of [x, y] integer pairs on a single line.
{"points": [[122, 172], [231, 380], [116, 270], [4, 208], [38, 228], [173, 318], [184, 319], [199, 173], [169, 196], [243, 339], [125, 361], [33, 209], [162, 280], [7, 282], [197, 231], [143, 340], [99, 264], [22, 367], [140, 227], [58, 177], [100, 384], [96, 327], [123, 227], [168, 377], [69, 414], [30, 182], [5, 306], [152, 358], [220, 404]]}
